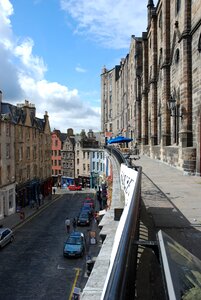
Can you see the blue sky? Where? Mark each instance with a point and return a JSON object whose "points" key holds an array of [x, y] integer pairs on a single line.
{"points": [[52, 53]]}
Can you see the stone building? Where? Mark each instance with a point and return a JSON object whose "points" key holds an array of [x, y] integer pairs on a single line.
{"points": [[68, 158], [159, 96], [26, 156], [84, 144], [7, 164], [58, 139]]}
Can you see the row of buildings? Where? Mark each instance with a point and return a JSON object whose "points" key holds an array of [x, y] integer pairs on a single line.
{"points": [[77, 158], [154, 94], [33, 159]]}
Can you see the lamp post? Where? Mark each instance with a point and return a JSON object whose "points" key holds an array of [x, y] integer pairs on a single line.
{"points": [[176, 113], [172, 105]]}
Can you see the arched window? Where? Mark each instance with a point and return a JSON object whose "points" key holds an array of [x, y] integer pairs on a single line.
{"points": [[199, 44], [178, 4], [176, 57]]}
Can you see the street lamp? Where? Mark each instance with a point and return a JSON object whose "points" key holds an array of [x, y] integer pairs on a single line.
{"points": [[172, 106]]}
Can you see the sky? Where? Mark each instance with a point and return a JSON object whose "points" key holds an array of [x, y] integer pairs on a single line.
{"points": [[52, 53]]}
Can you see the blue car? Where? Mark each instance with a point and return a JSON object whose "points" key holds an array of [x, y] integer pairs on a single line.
{"points": [[83, 219], [74, 245]]}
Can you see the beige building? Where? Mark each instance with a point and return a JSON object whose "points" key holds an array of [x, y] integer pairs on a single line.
{"points": [[84, 144], [158, 86], [7, 165], [26, 156]]}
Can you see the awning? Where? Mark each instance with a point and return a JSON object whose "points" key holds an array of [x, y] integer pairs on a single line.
{"points": [[119, 139]]}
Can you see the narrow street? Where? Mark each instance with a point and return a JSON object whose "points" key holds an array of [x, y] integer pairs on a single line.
{"points": [[33, 266]]}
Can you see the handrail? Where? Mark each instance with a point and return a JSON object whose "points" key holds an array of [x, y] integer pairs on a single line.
{"points": [[119, 286], [117, 153]]}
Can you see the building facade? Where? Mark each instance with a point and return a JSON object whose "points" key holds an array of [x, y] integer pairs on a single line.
{"points": [[57, 145], [97, 167], [84, 144], [25, 152], [155, 95], [68, 159], [7, 165]]}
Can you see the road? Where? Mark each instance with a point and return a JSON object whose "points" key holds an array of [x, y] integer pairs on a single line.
{"points": [[33, 266]]}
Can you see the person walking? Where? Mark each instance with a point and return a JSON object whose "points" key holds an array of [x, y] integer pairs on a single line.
{"points": [[67, 224]]}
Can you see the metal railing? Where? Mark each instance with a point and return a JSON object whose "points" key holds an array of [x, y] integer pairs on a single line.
{"points": [[121, 282]]}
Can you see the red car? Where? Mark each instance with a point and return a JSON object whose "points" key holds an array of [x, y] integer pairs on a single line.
{"points": [[74, 187], [89, 201]]}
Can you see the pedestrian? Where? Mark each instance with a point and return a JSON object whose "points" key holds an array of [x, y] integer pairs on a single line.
{"points": [[74, 224], [67, 224], [40, 199], [96, 217]]}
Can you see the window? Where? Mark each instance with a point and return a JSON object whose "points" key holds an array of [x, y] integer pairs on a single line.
{"points": [[7, 150], [7, 129], [178, 4], [78, 171], [28, 152], [78, 161], [28, 172], [8, 172], [199, 44], [176, 57], [20, 153], [84, 167], [56, 143]]}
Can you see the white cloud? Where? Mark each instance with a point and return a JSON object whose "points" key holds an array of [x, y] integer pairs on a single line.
{"points": [[80, 70], [108, 22], [22, 76]]}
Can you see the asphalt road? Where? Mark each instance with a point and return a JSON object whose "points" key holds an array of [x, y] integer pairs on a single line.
{"points": [[33, 266]]}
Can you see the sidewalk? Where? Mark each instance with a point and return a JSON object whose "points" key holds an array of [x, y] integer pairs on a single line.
{"points": [[172, 202], [14, 220]]}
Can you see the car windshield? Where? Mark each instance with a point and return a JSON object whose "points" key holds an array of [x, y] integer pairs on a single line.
{"points": [[84, 215], [74, 241]]}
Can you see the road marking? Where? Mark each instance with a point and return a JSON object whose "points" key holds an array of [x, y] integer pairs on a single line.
{"points": [[60, 267], [74, 283]]}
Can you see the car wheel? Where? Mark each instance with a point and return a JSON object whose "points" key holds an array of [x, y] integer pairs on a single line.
{"points": [[12, 239]]}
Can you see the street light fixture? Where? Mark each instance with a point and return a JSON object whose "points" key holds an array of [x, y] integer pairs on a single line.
{"points": [[173, 108]]}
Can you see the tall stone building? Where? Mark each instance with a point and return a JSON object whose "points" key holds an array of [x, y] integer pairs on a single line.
{"points": [[25, 168], [7, 164], [157, 87]]}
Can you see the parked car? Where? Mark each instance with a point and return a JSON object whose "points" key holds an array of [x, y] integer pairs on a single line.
{"points": [[74, 245], [74, 187], [88, 208], [6, 236], [89, 201], [83, 219]]}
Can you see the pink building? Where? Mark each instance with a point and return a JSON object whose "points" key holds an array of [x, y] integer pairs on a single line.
{"points": [[56, 156]]}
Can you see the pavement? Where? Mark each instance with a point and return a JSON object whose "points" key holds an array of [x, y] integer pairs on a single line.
{"points": [[15, 220]]}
